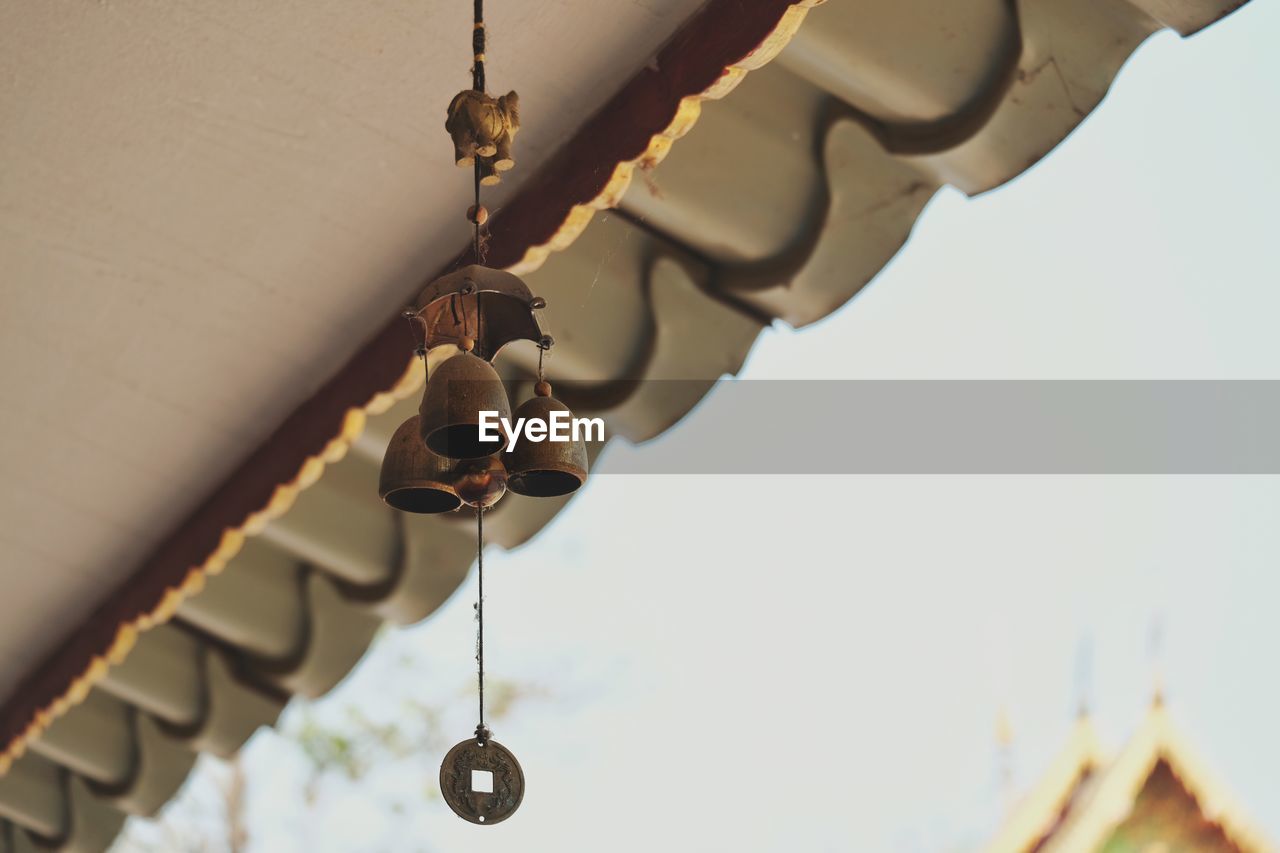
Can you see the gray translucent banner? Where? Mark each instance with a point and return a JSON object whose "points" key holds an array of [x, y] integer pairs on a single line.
{"points": [[965, 427]]}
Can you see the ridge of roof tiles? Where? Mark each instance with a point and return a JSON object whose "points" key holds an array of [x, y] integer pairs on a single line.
{"points": [[857, 134]]}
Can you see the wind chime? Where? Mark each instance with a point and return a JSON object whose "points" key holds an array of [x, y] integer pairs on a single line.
{"points": [[440, 459]]}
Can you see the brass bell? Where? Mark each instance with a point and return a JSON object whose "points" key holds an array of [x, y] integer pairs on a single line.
{"points": [[414, 479], [545, 469], [457, 392]]}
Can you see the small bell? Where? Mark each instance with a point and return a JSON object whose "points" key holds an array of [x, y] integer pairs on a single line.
{"points": [[414, 479], [546, 469], [457, 392]]}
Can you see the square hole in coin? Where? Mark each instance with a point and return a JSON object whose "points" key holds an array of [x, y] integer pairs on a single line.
{"points": [[482, 781]]}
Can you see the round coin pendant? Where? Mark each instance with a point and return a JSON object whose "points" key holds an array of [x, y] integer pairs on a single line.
{"points": [[481, 781]]}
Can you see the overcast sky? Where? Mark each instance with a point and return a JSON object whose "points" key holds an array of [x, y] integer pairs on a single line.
{"points": [[788, 663]]}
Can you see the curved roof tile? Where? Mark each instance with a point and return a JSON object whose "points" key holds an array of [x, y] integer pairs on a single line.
{"points": [[789, 198]]}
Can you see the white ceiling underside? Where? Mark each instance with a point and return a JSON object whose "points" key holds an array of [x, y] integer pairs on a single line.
{"points": [[205, 208], [714, 241]]}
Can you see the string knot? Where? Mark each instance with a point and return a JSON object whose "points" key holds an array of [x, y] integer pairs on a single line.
{"points": [[482, 734]]}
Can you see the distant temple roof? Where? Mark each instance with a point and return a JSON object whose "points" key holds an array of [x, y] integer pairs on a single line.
{"points": [[1154, 795]]}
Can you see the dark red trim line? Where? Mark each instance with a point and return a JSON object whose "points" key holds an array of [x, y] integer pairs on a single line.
{"points": [[722, 34]]}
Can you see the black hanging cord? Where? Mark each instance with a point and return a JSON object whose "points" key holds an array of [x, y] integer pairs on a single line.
{"points": [[477, 46], [475, 247], [477, 83], [482, 733]]}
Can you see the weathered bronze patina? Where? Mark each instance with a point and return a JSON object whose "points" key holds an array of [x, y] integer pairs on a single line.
{"points": [[480, 482], [481, 807], [457, 392], [483, 128], [546, 469], [413, 479], [491, 307]]}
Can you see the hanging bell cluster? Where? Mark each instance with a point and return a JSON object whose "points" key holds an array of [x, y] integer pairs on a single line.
{"points": [[439, 459]]}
